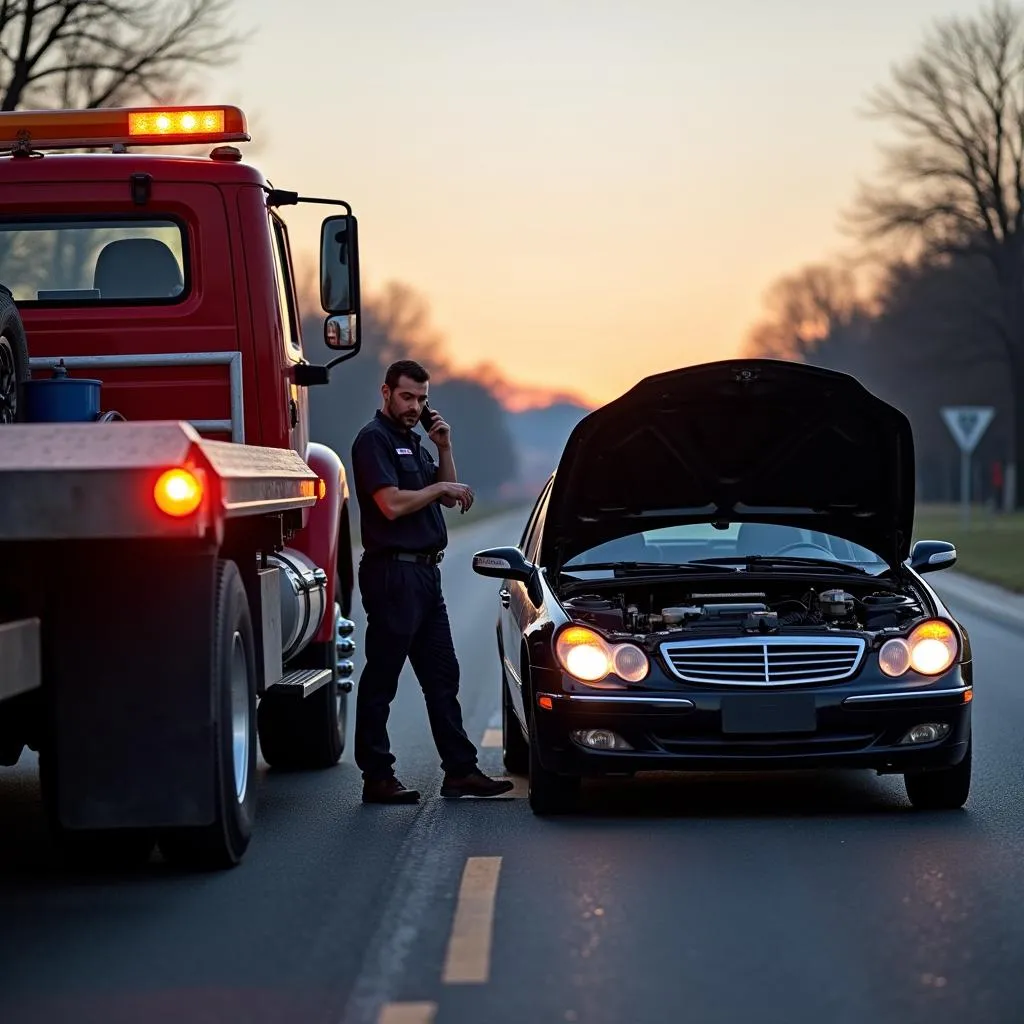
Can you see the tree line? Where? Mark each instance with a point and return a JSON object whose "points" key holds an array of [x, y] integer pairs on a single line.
{"points": [[396, 325], [928, 308]]}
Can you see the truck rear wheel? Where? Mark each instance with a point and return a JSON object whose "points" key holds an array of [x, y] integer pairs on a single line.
{"points": [[14, 368], [223, 843], [303, 733]]}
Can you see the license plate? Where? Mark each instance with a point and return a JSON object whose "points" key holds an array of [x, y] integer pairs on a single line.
{"points": [[769, 713]]}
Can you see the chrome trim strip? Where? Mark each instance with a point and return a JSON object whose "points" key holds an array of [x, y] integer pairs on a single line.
{"points": [[513, 673], [761, 646], [646, 700], [866, 698]]}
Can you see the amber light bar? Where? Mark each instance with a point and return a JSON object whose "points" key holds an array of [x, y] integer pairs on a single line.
{"points": [[140, 126]]}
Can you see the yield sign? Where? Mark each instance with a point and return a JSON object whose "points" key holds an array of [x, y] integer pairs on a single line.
{"points": [[967, 423]]}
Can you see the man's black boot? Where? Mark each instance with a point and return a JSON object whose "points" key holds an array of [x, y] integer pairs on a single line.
{"points": [[388, 791], [473, 784]]}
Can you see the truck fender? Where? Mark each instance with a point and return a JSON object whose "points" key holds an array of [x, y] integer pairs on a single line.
{"points": [[319, 538]]}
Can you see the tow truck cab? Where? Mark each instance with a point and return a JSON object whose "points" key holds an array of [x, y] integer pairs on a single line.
{"points": [[161, 288]]}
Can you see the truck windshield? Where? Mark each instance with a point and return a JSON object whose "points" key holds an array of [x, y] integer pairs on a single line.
{"points": [[76, 261]]}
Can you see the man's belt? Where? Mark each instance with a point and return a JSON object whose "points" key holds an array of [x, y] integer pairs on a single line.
{"points": [[421, 557]]}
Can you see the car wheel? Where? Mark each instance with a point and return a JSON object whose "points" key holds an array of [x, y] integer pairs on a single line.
{"points": [[943, 789], [514, 748], [549, 793]]}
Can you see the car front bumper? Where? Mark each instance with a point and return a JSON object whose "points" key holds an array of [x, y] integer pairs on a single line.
{"points": [[754, 731]]}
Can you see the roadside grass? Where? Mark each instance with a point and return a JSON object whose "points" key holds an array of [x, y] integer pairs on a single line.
{"points": [[989, 547]]}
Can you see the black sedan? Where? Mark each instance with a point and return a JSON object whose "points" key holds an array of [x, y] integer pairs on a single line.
{"points": [[719, 576]]}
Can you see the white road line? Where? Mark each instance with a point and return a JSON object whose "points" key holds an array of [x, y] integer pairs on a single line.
{"points": [[469, 946], [492, 738]]}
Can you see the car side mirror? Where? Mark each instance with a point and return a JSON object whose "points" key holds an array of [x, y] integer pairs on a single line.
{"points": [[932, 555], [510, 564], [503, 564]]}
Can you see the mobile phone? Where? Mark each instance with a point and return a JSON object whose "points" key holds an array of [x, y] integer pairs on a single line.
{"points": [[426, 418]]}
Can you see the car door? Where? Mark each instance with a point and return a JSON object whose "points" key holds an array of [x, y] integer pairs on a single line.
{"points": [[517, 610]]}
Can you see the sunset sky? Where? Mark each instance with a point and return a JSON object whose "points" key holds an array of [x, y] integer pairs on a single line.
{"points": [[586, 192]]}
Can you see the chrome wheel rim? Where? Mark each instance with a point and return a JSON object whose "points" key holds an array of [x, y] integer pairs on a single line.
{"points": [[240, 725]]}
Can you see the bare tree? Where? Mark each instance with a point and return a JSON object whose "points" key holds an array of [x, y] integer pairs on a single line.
{"points": [[953, 182], [97, 53], [807, 314], [401, 315]]}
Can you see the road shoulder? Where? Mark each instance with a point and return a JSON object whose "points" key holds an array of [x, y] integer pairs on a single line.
{"points": [[988, 599]]}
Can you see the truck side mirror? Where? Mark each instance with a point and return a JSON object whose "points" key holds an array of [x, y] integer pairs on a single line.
{"points": [[340, 332], [339, 266]]}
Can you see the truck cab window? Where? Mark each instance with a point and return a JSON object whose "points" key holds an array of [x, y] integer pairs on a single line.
{"points": [[90, 261], [285, 286]]}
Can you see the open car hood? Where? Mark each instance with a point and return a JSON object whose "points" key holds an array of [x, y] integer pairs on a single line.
{"points": [[738, 440]]}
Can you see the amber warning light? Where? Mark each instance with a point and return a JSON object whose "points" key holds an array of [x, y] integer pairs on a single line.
{"points": [[140, 126]]}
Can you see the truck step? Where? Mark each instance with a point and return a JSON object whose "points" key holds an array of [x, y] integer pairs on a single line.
{"points": [[302, 681]]}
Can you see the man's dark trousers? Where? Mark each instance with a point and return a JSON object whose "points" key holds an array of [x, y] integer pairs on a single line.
{"points": [[406, 617]]}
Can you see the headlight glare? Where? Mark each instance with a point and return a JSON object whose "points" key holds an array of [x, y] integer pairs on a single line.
{"points": [[932, 648], [587, 662], [583, 654], [588, 657]]}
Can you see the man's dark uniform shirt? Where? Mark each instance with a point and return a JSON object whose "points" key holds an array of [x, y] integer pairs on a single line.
{"points": [[385, 454]]}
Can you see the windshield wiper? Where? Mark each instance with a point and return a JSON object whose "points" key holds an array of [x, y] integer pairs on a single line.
{"points": [[757, 561], [647, 567]]}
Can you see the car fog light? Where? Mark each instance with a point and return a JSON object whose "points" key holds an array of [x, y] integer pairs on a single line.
{"points": [[600, 739], [927, 732]]}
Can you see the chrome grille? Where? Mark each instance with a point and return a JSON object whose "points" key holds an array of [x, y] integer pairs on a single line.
{"points": [[765, 661]]}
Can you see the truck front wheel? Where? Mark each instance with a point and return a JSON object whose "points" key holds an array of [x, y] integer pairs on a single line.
{"points": [[306, 733], [222, 843]]}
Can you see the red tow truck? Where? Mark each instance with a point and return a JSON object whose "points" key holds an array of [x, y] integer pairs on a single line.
{"points": [[175, 563]]}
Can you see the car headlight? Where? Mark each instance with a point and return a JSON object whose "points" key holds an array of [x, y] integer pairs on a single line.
{"points": [[588, 657], [929, 650]]}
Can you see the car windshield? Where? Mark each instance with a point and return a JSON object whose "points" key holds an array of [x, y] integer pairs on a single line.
{"points": [[678, 545]]}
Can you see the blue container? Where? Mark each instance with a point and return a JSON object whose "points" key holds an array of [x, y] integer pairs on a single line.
{"points": [[62, 399]]}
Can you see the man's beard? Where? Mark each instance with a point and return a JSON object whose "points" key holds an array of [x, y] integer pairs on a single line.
{"points": [[410, 419]]}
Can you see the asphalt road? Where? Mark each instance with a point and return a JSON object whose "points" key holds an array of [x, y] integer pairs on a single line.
{"points": [[701, 900]]}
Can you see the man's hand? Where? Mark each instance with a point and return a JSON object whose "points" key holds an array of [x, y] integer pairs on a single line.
{"points": [[440, 432], [453, 494]]}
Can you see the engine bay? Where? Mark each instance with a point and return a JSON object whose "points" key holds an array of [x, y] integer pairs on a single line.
{"points": [[691, 607]]}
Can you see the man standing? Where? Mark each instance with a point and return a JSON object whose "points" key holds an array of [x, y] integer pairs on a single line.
{"points": [[399, 488]]}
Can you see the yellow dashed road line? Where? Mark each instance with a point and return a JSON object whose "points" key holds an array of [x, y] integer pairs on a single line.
{"points": [[468, 960], [407, 1013]]}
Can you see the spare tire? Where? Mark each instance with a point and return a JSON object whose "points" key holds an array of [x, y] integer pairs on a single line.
{"points": [[14, 369]]}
